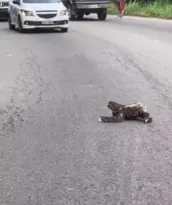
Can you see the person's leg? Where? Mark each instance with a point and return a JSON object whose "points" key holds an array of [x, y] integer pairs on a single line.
{"points": [[122, 9], [118, 7], [122, 13]]}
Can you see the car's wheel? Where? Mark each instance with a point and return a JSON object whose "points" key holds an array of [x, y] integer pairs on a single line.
{"points": [[64, 30], [11, 26], [102, 15], [79, 16], [21, 30]]}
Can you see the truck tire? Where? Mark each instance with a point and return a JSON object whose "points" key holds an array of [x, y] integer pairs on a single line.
{"points": [[71, 13], [80, 16], [102, 15]]}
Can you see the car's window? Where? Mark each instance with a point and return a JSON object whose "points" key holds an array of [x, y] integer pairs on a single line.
{"points": [[11, 2], [40, 1], [17, 1]]}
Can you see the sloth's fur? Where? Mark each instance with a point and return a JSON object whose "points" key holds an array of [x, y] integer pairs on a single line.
{"points": [[121, 113]]}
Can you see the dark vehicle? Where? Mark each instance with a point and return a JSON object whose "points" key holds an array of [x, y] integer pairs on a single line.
{"points": [[4, 9], [78, 8]]}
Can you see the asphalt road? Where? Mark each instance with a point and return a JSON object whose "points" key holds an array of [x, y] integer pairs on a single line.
{"points": [[53, 88]]}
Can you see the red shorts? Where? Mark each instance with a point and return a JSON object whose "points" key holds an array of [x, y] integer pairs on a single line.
{"points": [[121, 5]]}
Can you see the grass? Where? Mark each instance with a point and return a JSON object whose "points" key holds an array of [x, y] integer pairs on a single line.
{"points": [[156, 9]]}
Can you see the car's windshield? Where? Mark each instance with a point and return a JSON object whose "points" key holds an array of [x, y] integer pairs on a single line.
{"points": [[40, 1]]}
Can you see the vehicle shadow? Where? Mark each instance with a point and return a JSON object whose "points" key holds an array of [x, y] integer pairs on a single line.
{"points": [[42, 31], [90, 19], [3, 20], [35, 31], [87, 19]]}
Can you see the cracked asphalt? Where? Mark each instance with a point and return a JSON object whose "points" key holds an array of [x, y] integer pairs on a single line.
{"points": [[53, 88]]}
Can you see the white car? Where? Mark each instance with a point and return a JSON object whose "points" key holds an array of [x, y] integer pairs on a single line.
{"points": [[4, 9], [31, 14]]}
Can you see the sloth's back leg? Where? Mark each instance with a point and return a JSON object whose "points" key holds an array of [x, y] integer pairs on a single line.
{"points": [[148, 120], [113, 119]]}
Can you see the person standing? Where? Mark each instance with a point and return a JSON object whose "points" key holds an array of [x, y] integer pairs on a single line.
{"points": [[120, 7]]}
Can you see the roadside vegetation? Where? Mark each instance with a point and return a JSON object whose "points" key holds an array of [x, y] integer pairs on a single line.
{"points": [[147, 8]]}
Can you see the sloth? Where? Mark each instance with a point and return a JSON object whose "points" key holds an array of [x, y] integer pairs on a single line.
{"points": [[121, 113]]}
